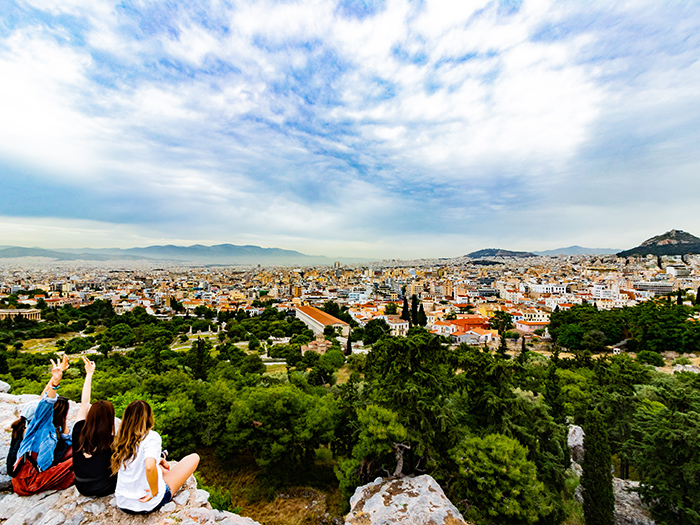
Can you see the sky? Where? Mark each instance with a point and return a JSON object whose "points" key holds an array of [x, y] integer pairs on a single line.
{"points": [[387, 128]]}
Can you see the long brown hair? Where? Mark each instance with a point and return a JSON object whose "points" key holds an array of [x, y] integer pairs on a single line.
{"points": [[60, 413], [98, 432], [137, 421]]}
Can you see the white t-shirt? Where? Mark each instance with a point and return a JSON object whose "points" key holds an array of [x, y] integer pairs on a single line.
{"points": [[131, 478]]}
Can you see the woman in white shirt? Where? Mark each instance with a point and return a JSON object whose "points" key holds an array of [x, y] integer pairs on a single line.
{"points": [[145, 481]]}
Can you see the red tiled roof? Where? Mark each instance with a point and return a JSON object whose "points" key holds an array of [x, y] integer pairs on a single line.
{"points": [[320, 316]]}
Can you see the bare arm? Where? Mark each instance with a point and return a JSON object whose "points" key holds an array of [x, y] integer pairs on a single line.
{"points": [[87, 389], [152, 478]]}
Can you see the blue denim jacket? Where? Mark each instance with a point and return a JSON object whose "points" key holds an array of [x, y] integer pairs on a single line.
{"points": [[40, 436]]}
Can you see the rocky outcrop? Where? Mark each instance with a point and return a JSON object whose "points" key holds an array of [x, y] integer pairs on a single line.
{"points": [[686, 368], [575, 441], [629, 509], [189, 506], [408, 501]]}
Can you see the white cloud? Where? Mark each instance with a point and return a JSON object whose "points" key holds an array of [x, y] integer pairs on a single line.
{"points": [[298, 123]]}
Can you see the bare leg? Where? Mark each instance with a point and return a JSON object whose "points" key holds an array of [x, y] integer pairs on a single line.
{"points": [[178, 474]]}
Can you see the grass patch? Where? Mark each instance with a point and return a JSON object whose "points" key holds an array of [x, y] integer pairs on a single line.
{"points": [[343, 374]]}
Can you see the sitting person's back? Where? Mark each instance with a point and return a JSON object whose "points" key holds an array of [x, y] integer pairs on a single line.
{"points": [[92, 442], [145, 480], [43, 460]]}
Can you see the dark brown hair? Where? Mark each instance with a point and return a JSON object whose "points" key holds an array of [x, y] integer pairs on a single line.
{"points": [[18, 427], [60, 413], [98, 432]]}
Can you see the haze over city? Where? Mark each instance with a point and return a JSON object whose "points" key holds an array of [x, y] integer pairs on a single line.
{"points": [[348, 128]]}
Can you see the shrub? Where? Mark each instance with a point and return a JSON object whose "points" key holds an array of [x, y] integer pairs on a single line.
{"points": [[650, 358]]}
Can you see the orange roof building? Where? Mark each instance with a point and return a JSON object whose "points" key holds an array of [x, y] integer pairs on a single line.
{"points": [[317, 320]]}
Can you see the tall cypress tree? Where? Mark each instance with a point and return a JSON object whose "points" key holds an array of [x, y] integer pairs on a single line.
{"points": [[598, 496], [522, 356], [422, 318], [414, 309], [348, 348], [405, 312]]}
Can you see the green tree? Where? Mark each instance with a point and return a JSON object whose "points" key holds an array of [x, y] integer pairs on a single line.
{"points": [[501, 321], [665, 448], [391, 309], [381, 441], [405, 312], [199, 359], [375, 329], [252, 364], [496, 483], [422, 318], [280, 426], [414, 309], [650, 358], [598, 497]]}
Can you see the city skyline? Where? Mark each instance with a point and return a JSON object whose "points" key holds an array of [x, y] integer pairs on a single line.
{"points": [[348, 128]]}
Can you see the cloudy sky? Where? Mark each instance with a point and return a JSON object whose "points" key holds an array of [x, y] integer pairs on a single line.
{"points": [[387, 128]]}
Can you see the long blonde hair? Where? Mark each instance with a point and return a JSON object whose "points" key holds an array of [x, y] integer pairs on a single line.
{"points": [[137, 421]]}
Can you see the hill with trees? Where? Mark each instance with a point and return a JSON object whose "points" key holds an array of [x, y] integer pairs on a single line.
{"points": [[497, 252], [674, 242]]}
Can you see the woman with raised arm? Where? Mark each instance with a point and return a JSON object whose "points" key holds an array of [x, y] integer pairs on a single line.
{"points": [[44, 459], [145, 481], [93, 434]]}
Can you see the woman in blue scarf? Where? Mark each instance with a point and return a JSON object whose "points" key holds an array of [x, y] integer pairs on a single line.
{"points": [[45, 457]]}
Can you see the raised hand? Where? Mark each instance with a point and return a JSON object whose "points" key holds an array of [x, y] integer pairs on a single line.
{"points": [[57, 370], [89, 365]]}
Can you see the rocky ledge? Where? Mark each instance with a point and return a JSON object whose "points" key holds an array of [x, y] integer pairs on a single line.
{"points": [[189, 506]]}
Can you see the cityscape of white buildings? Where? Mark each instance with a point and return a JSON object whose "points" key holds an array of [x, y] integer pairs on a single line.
{"points": [[458, 295]]}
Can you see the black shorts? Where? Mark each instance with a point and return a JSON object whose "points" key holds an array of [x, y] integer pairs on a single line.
{"points": [[167, 498]]}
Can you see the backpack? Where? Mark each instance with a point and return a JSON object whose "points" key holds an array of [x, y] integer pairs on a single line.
{"points": [[18, 428]]}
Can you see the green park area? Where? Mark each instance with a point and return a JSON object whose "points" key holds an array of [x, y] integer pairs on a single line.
{"points": [[291, 441]]}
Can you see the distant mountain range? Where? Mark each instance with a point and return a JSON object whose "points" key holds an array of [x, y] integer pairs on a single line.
{"points": [[223, 254], [674, 242], [578, 250], [497, 252]]}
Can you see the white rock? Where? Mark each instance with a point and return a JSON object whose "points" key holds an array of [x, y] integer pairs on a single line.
{"points": [[575, 441], [5, 387], [410, 501], [201, 498], [5, 482], [181, 497], [53, 517], [95, 508], [168, 507]]}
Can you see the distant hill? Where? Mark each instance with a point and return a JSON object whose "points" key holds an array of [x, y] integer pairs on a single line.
{"points": [[578, 250], [16, 251], [674, 242], [222, 254], [226, 254], [497, 252]]}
